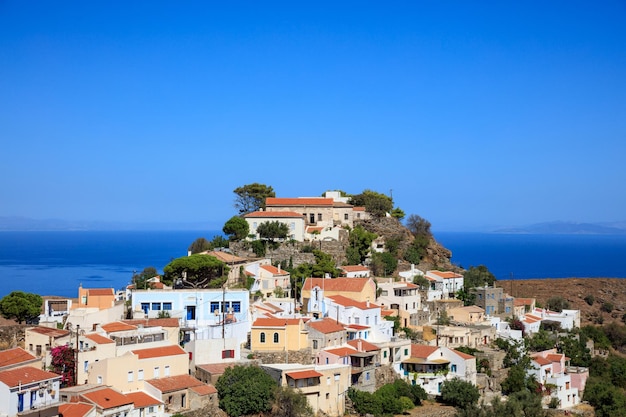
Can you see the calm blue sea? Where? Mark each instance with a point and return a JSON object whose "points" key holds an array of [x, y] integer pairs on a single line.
{"points": [[56, 263], [527, 256]]}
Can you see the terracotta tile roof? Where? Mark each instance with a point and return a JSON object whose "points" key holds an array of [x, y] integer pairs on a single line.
{"points": [[100, 291], [445, 274], [226, 257], [273, 270], [155, 322], [358, 208], [422, 351], [341, 352], [337, 284], [99, 339], [204, 389], [385, 313], [356, 327], [15, 356], [349, 302], [354, 268], [25, 375], [107, 398], [311, 229], [299, 201], [157, 352], [275, 322], [270, 214], [142, 400], [303, 374], [216, 368], [75, 409], [326, 326], [49, 331], [523, 301], [175, 383], [363, 346], [462, 354], [529, 318], [555, 357], [470, 309], [117, 326], [541, 360]]}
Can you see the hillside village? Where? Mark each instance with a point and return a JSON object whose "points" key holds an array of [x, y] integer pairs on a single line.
{"points": [[160, 351]]}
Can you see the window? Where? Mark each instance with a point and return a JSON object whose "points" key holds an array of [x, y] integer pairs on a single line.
{"points": [[166, 372], [156, 306], [367, 320], [314, 344], [345, 216], [215, 306], [406, 352], [86, 366], [292, 226], [385, 354], [140, 375], [319, 217], [20, 402], [191, 312], [156, 371], [327, 380], [99, 379], [145, 307], [275, 337], [228, 354], [33, 397], [151, 409], [130, 376], [262, 337], [237, 306], [167, 306], [367, 376], [453, 368]]}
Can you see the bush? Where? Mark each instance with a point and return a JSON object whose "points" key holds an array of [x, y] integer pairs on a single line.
{"points": [[589, 299], [607, 307]]}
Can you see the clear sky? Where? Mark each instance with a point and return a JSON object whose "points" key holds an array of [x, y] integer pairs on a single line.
{"points": [[471, 114]]}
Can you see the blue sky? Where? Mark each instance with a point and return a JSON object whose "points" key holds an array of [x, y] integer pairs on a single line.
{"points": [[471, 114]]}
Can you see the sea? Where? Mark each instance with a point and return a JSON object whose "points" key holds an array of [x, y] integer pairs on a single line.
{"points": [[58, 262]]}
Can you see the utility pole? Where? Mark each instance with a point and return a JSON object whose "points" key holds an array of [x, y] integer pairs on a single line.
{"points": [[76, 364]]}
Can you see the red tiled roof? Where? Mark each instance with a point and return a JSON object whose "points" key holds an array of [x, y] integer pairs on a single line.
{"points": [[142, 400], [216, 368], [337, 284], [541, 360], [356, 327], [15, 356], [326, 326], [303, 374], [75, 409], [446, 274], [362, 345], [107, 398], [49, 331], [341, 352], [204, 389], [225, 256], [354, 268], [358, 208], [349, 302], [273, 270], [555, 357], [270, 214], [299, 201], [100, 291], [154, 322], [274, 322], [462, 354], [99, 339], [157, 352], [175, 383], [117, 326], [25, 375], [311, 229], [422, 351]]}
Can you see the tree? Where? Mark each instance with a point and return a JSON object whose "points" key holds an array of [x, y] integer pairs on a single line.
{"points": [[383, 264], [273, 230], [199, 245], [236, 228], [360, 242], [291, 403], [478, 276], [397, 213], [141, 279], [606, 399], [324, 264], [251, 197], [195, 271], [63, 362], [418, 226], [365, 402], [575, 348], [459, 393], [557, 303], [21, 306], [244, 390], [376, 204]]}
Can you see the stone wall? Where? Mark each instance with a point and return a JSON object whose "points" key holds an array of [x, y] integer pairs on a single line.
{"points": [[303, 356]]}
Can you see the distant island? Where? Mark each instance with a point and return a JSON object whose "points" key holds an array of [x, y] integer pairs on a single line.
{"points": [[568, 228], [25, 224]]}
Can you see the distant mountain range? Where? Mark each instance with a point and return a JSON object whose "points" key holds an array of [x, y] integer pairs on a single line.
{"points": [[568, 228], [25, 224]]}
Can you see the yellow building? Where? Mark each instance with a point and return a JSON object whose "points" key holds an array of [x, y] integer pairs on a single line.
{"points": [[315, 289], [100, 298], [278, 334]]}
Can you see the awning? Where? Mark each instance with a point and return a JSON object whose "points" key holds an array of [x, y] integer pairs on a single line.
{"points": [[303, 374]]}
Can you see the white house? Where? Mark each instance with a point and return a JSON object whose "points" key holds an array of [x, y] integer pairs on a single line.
{"points": [[203, 313], [269, 280], [362, 319], [550, 370], [431, 366], [403, 298], [355, 271], [447, 281], [28, 388], [295, 222]]}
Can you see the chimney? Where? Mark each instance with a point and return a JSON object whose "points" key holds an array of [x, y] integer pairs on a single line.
{"points": [[367, 303]]}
